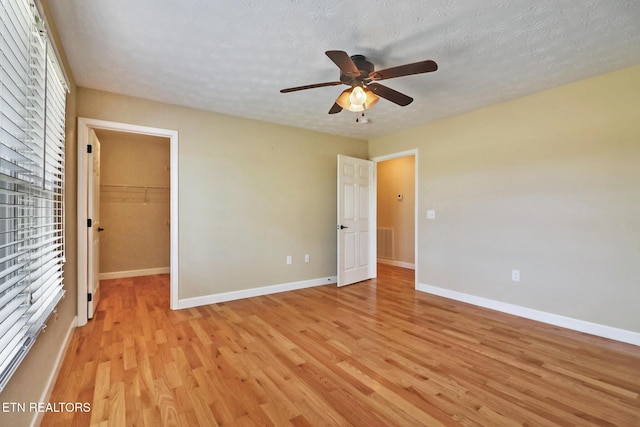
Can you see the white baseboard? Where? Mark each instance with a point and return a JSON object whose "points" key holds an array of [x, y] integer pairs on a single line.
{"points": [[53, 376], [134, 273], [254, 292], [596, 329], [403, 264]]}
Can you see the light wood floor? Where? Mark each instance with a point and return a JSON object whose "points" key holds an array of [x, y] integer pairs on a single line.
{"points": [[376, 353]]}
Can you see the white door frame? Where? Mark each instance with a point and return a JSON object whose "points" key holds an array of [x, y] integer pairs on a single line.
{"points": [[413, 152], [84, 125]]}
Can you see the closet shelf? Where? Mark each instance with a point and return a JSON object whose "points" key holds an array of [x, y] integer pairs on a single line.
{"points": [[130, 187], [134, 193]]}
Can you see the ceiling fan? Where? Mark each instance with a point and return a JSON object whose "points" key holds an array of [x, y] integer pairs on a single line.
{"points": [[360, 75]]}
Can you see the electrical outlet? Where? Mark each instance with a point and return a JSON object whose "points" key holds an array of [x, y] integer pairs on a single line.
{"points": [[431, 214], [289, 260], [515, 275], [307, 258]]}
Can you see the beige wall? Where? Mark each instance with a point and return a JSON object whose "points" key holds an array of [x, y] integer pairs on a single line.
{"points": [[547, 184], [250, 193], [134, 202], [395, 177]]}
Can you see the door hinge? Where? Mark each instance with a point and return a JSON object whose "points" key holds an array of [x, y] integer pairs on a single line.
{"points": [[89, 297], [89, 148], [89, 222]]}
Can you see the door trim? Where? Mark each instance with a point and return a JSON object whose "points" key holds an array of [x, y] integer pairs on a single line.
{"points": [[84, 125], [408, 153]]}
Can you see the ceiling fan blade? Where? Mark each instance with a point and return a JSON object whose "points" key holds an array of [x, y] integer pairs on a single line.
{"points": [[335, 109], [344, 62], [293, 89], [404, 70], [389, 94]]}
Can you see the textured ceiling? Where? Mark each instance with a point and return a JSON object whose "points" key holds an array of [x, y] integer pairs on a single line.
{"points": [[233, 57]]}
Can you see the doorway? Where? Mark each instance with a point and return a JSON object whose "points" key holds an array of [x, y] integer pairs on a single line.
{"points": [[397, 210], [86, 127], [134, 204]]}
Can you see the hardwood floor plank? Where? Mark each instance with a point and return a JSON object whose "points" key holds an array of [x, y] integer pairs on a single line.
{"points": [[165, 402], [201, 409], [377, 353], [116, 415]]}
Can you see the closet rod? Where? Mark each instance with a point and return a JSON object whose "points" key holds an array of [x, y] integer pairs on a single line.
{"points": [[142, 187]]}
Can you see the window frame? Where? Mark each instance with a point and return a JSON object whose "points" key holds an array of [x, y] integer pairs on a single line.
{"points": [[33, 92]]}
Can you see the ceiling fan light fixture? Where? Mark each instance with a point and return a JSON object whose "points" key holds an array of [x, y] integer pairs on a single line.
{"points": [[357, 99], [372, 98], [357, 96]]}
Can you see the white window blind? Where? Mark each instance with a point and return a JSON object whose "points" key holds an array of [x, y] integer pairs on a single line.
{"points": [[32, 138]]}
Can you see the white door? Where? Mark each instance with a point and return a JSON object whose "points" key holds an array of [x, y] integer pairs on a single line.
{"points": [[93, 213], [356, 220]]}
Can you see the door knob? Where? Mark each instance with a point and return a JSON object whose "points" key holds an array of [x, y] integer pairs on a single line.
{"points": [[100, 229], [342, 227]]}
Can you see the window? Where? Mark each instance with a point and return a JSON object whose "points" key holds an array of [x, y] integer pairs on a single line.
{"points": [[32, 113]]}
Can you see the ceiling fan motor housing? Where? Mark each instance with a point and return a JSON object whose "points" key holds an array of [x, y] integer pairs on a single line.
{"points": [[365, 67]]}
